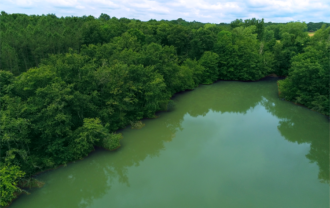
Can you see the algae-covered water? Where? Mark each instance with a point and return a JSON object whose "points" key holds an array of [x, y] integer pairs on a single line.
{"points": [[229, 144]]}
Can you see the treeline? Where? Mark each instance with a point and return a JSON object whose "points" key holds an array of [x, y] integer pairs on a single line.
{"points": [[313, 26], [67, 84]]}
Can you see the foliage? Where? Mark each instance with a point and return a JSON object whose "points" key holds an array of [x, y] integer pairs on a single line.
{"points": [[68, 83], [110, 142], [86, 136], [241, 56], [308, 81], [209, 61], [314, 26], [293, 39], [137, 125], [9, 176]]}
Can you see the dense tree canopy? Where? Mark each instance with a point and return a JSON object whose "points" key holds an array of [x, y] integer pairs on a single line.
{"points": [[67, 84], [308, 81]]}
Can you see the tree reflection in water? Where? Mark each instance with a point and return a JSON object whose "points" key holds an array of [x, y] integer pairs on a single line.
{"points": [[93, 180]]}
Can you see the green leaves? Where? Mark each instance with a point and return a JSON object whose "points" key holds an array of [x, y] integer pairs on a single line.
{"points": [[81, 79], [110, 142], [209, 61], [241, 56], [308, 81], [85, 137], [9, 176]]}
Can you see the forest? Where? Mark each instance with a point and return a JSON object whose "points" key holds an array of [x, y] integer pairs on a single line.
{"points": [[68, 83]]}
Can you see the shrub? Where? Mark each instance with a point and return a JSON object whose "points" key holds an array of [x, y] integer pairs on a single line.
{"points": [[9, 176], [111, 142]]}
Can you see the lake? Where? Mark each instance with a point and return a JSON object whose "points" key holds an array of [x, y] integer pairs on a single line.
{"points": [[230, 144]]}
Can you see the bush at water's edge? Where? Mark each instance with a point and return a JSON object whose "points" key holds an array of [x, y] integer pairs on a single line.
{"points": [[112, 142], [316, 102], [9, 177]]}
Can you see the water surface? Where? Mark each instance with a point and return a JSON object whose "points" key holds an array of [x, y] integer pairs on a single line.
{"points": [[230, 144]]}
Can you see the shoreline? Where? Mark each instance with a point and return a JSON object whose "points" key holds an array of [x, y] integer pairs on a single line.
{"points": [[23, 191], [97, 148], [299, 104]]}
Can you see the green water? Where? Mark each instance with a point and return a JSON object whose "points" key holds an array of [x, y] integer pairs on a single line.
{"points": [[230, 144]]}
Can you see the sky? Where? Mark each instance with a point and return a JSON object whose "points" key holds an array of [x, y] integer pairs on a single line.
{"points": [[212, 11]]}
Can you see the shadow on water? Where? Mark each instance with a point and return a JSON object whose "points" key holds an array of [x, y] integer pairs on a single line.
{"points": [[94, 178]]}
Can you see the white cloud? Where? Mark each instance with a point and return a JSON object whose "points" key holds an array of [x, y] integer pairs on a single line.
{"points": [[213, 11]]}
